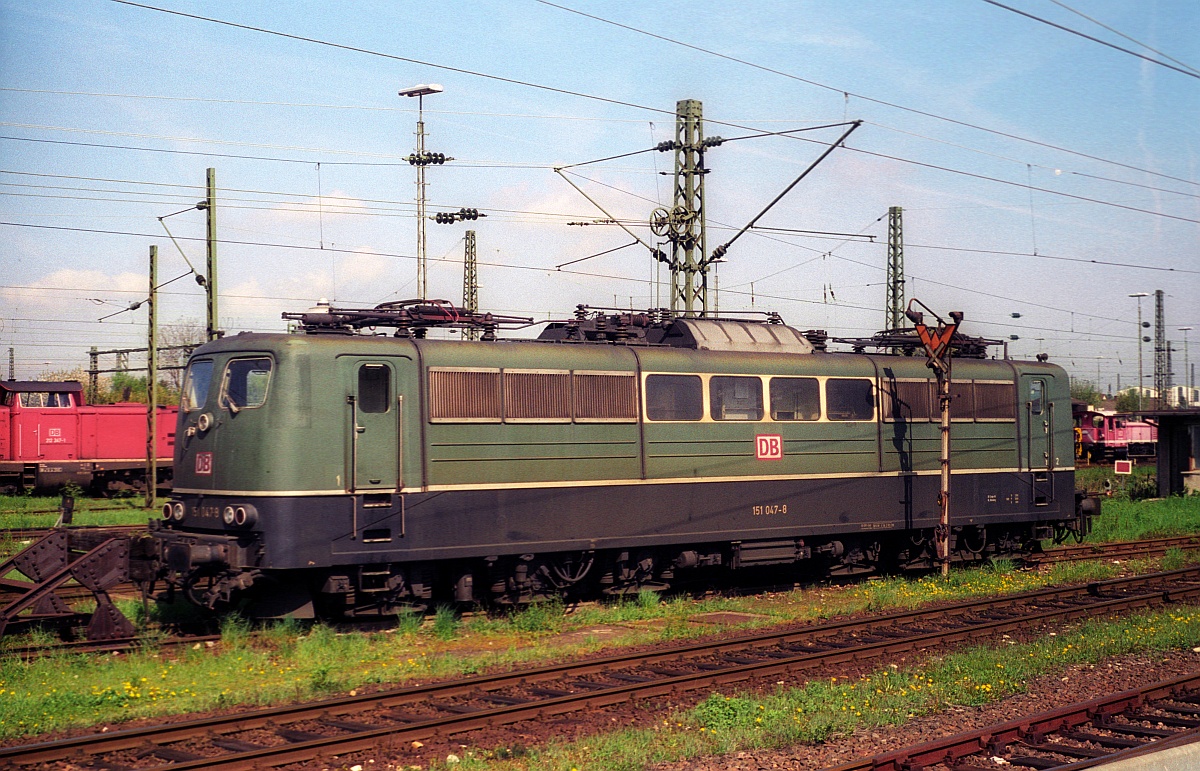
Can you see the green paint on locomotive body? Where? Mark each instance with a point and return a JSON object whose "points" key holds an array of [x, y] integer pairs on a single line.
{"points": [[511, 453], [300, 441]]}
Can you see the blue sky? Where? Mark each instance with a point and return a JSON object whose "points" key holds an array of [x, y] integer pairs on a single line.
{"points": [[332, 214]]}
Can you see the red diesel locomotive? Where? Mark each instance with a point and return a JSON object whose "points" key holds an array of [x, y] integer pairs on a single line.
{"points": [[50, 436]]}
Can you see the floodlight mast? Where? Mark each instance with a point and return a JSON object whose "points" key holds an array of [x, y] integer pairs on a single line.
{"points": [[418, 160], [1139, 296]]}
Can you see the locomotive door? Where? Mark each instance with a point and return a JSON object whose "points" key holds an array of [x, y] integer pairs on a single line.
{"points": [[1039, 436], [372, 424]]}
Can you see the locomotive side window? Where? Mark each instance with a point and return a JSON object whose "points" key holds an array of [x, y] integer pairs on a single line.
{"points": [[962, 400], [464, 395], [910, 400], [374, 388], [674, 397], [735, 398], [847, 399], [1035, 396], [542, 396], [605, 396], [195, 386], [245, 384], [994, 401], [795, 398]]}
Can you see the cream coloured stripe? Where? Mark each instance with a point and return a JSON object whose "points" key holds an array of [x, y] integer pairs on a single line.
{"points": [[695, 480], [269, 493], [614, 482]]}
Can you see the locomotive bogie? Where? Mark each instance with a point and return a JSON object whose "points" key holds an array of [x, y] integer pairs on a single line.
{"points": [[371, 473]]}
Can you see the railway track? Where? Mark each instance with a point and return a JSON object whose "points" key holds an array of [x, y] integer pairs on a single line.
{"points": [[392, 719], [1119, 550], [1149, 547], [1082, 735], [29, 533]]}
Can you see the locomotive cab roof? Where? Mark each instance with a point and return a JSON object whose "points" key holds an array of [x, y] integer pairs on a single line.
{"points": [[41, 386]]}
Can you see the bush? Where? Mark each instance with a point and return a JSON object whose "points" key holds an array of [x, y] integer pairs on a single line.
{"points": [[1140, 487]]}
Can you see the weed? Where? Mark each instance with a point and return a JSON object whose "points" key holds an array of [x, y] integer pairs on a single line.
{"points": [[283, 634], [320, 679], [1141, 487], [647, 599], [408, 622], [235, 631], [538, 617], [1002, 567], [445, 623], [1175, 559]]}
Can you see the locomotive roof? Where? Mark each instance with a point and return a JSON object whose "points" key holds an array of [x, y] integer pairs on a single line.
{"points": [[42, 386], [715, 335], [532, 353]]}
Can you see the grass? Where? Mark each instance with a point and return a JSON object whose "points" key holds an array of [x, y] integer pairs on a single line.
{"points": [[25, 511], [1124, 520], [820, 710], [294, 661]]}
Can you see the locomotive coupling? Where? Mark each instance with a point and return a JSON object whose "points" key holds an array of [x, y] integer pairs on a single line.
{"points": [[181, 558]]}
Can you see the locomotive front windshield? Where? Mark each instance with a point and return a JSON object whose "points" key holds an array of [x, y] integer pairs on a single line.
{"points": [[44, 399], [195, 386], [245, 383]]}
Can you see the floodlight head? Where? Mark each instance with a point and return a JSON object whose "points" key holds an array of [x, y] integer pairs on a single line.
{"points": [[425, 89], [1140, 294]]}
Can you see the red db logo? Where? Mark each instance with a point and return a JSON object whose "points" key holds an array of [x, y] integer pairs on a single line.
{"points": [[204, 463], [768, 447]]}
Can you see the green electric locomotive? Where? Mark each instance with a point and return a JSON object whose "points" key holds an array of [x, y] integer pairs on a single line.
{"points": [[336, 471]]}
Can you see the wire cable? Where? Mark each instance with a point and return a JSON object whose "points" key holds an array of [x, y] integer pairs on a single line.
{"points": [[863, 97], [1086, 36], [1122, 34]]}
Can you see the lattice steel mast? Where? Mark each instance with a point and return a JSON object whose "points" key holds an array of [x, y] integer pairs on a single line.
{"points": [[470, 283], [689, 278], [1162, 365], [895, 270]]}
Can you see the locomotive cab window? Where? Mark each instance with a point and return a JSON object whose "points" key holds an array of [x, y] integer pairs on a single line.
{"points": [[374, 388], [674, 397], [245, 383], [795, 398], [45, 399], [1035, 396], [735, 398], [847, 399], [195, 385]]}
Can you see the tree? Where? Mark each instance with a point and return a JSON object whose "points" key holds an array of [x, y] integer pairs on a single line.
{"points": [[1085, 391], [190, 333], [1127, 401], [127, 387], [63, 375]]}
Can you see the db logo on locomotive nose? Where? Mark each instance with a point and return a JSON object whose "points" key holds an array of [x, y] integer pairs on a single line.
{"points": [[204, 463], [768, 447]]}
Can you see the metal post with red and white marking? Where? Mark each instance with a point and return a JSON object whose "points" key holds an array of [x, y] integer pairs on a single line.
{"points": [[937, 347]]}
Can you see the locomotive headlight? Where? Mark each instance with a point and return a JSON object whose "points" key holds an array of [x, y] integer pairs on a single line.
{"points": [[228, 515], [177, 511], [244, 515], [166, 511]]}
